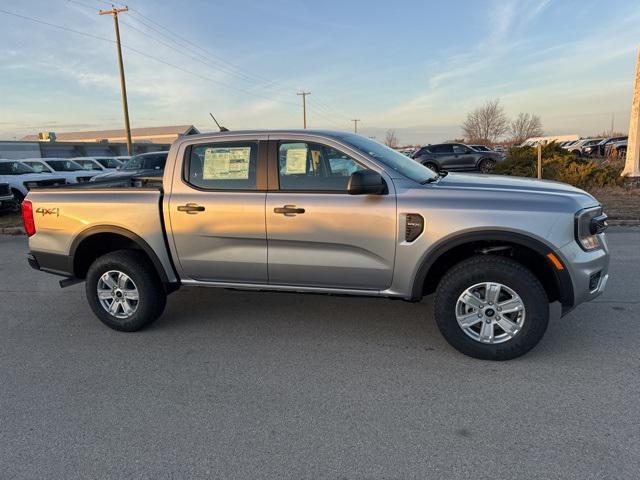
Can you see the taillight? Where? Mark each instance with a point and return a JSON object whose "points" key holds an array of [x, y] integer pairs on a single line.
{"points": [[27, 218]]}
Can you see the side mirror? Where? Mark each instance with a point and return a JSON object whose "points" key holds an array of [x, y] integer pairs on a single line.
{"points": [[366, 182]]}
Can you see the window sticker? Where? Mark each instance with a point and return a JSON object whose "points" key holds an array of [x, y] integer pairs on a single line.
{"points": [[226, 163], [296, 161]]}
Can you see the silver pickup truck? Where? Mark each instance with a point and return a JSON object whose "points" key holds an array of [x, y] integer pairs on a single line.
{"points": [[334, 213]]}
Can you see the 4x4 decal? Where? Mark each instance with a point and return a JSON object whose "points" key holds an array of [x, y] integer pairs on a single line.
{"points": [[48, 211]]}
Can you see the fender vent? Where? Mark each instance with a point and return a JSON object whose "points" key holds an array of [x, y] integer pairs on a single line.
{"points": [[414, 226]]}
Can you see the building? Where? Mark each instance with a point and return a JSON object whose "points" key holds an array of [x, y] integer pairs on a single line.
{"points": [[549, 139], [162, 135], [93, 143]]}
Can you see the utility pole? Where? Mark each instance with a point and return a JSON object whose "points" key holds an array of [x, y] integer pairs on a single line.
{"points": [[304, 106], [123, 88], [613, 121], [355, 125]]}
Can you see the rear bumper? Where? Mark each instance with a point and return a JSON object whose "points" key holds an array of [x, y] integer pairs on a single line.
{"points": [[51, 263]]}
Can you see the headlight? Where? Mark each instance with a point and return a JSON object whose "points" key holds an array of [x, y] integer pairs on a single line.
{"points": [[30, 185], [589, 223]]}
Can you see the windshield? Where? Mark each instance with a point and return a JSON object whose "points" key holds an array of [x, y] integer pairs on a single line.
{"points": [[64, 165], [146, 162], [108, 162], [14, 168], [390, 158]]}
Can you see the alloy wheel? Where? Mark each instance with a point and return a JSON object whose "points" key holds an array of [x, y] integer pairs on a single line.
{"points": [[490, 312], [118, 294]]}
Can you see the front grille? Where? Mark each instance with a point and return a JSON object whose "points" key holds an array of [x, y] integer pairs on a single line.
{"points": [[4, 189], [594, 281], [50, 182]]}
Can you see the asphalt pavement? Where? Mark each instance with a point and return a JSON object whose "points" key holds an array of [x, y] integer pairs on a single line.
{"points": [[243, 385]]}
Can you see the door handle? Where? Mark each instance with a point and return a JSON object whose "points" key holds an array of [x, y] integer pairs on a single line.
{"points": [[288, 210], [191, 208]]}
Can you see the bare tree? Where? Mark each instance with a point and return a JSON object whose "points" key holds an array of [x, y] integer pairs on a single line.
{"points": [[526, 125], [391, 139], [486, 124]]}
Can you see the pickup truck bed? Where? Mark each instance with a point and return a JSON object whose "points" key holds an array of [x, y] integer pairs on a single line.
{"points": [[125, 206]]}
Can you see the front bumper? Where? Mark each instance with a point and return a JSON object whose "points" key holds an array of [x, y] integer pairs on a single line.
{"points": [[589, 271]]}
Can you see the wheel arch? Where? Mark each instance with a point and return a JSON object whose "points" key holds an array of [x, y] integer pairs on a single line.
{"points": [[100, 240], [526, 249]]}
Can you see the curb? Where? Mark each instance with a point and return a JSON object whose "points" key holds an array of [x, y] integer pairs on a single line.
{"points": [[623, 223]]}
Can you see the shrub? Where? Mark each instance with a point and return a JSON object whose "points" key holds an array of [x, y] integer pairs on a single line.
{"points": [[560, 165]]}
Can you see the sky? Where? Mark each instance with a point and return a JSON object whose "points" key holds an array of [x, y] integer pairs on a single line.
{"points": [[416, 66]]}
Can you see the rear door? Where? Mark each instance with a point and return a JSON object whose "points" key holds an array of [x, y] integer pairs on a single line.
{"points": [[319, 235], [216, 210]]}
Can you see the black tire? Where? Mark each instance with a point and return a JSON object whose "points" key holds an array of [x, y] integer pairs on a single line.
{"points": [[486, 165], [508, 272], [431, 166], [152, 297]]}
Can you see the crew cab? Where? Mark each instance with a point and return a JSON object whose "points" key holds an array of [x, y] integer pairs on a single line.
{"points": [[21, 178], [333, 213]]}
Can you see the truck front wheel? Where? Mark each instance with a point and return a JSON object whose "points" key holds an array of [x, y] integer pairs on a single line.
{"points": [[491, 307], [124, 290]]}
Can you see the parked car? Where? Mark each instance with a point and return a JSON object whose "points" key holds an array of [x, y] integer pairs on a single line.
{"points": [[7, 200], [496, 250], [408, 152], [64, 167], [571, 143], [584, 147], [22, 178], [481, 148], [144, 164], [104, 164], [456, 156], [600, 148], [616, 149]]}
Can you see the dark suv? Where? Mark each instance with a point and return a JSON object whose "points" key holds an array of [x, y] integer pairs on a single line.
{"points": [[456, 156]]}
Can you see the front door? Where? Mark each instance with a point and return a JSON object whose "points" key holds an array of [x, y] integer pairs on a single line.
{"points": [[319, 235], [216, 211]]}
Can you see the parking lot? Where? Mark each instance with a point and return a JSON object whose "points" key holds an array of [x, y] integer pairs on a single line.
{"points": [[233, 384]]}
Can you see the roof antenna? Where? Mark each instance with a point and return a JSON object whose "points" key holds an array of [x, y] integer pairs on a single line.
{"points": [[222, 129]]}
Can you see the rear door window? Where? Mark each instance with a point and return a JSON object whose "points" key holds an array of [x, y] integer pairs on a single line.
{"points": [[223, 166], [442, 149]]}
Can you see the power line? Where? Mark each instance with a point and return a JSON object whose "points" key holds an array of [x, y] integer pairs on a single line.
{"points": [[97, 37], [243, 73]]}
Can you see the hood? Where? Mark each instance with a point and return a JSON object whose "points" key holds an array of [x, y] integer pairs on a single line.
{"points": [[127, 173], [504, 185], [31, 177]]}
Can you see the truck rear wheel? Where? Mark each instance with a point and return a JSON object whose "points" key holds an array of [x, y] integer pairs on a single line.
{"points": [[491, 307], [124, 290]]}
